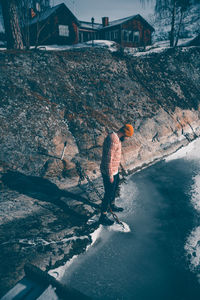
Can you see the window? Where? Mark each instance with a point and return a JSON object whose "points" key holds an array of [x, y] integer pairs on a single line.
{"points": [[128, 36], [85, 36], [113, 35], [64, 30], [95, 35], [125, 35], [116, 35], [107, 35], [131, 36], [136, 36], [81, 37]]}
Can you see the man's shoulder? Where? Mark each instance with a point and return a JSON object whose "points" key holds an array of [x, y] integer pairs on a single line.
{"points": [[113, 137]]}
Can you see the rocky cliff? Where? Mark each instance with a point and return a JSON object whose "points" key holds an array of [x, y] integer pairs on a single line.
{"points": [[77, 97]]}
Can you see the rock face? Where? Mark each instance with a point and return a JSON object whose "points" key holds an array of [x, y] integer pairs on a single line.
{"points": [[49, 98]]}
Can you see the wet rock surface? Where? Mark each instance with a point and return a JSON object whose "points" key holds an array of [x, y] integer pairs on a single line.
{"points": [[49, 98], [41, 224]]}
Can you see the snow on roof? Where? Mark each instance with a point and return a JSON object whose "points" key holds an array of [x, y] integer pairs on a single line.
{"points": [[45, 14], [48, 12], [119, 21], [88, 25], [98, 26]]}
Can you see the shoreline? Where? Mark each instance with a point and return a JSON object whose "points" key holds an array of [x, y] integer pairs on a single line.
{"points": [[58, 273], [74, 241], [41, 206]]}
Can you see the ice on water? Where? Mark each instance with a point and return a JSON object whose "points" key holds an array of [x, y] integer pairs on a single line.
{"points": [[191, 151], [195, 192], [119, 227], [192, 245], [192, 248]]}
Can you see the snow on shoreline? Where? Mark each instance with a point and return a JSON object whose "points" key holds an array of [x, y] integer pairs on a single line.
{"points": [[184, 152], [191, 151], [192, 248], [192, 244], [59, 272]]}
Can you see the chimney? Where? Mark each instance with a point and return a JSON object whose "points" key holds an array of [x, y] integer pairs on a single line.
{"points": [[105, 21]]}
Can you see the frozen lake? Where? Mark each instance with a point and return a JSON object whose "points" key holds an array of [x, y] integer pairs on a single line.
{"points": [[159, 258]]}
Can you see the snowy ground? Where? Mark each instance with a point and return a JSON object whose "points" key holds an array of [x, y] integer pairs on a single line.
{"points": [[113, 47]]}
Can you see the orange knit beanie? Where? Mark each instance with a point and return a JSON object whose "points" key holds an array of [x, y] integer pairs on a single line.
{"points": [[128, 130]]}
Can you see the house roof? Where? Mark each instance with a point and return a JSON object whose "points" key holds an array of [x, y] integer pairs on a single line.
{"points": [[88, 25], [119, 21], [124, 20], [99, 26], [50, 11]]}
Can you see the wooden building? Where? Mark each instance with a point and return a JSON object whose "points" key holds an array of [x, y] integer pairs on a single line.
{"points": [[56, 25], [132, 31], [89, 31]]}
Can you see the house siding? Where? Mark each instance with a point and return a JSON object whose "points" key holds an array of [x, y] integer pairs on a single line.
{"points": [[134, 27], [88, 34], [50, 33], [113, 34]]}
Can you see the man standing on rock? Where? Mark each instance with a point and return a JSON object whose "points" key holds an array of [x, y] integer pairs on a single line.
{"points": [[110, 163]]}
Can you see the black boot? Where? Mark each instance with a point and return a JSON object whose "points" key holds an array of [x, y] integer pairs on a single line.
{"points": [[116, 208], [104, 220]]}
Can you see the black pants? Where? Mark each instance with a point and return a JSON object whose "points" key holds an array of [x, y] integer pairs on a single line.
{"points": [[110, 191]]}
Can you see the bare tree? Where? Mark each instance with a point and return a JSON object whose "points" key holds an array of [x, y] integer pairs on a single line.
{"points": [[12, 24], [32, 10], [173, 10], [25, 14], [17, 15], [183, 7], [40, 28]]}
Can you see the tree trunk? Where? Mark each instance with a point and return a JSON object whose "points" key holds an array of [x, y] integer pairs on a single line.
{"points": [[11, 23], [179, 28], [172, 32]]}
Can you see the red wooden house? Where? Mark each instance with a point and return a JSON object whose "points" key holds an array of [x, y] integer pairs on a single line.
{"points": [[133, 31], [56, 25]]}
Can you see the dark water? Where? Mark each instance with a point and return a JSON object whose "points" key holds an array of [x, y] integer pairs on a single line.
{"points": [[150, 262]]}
